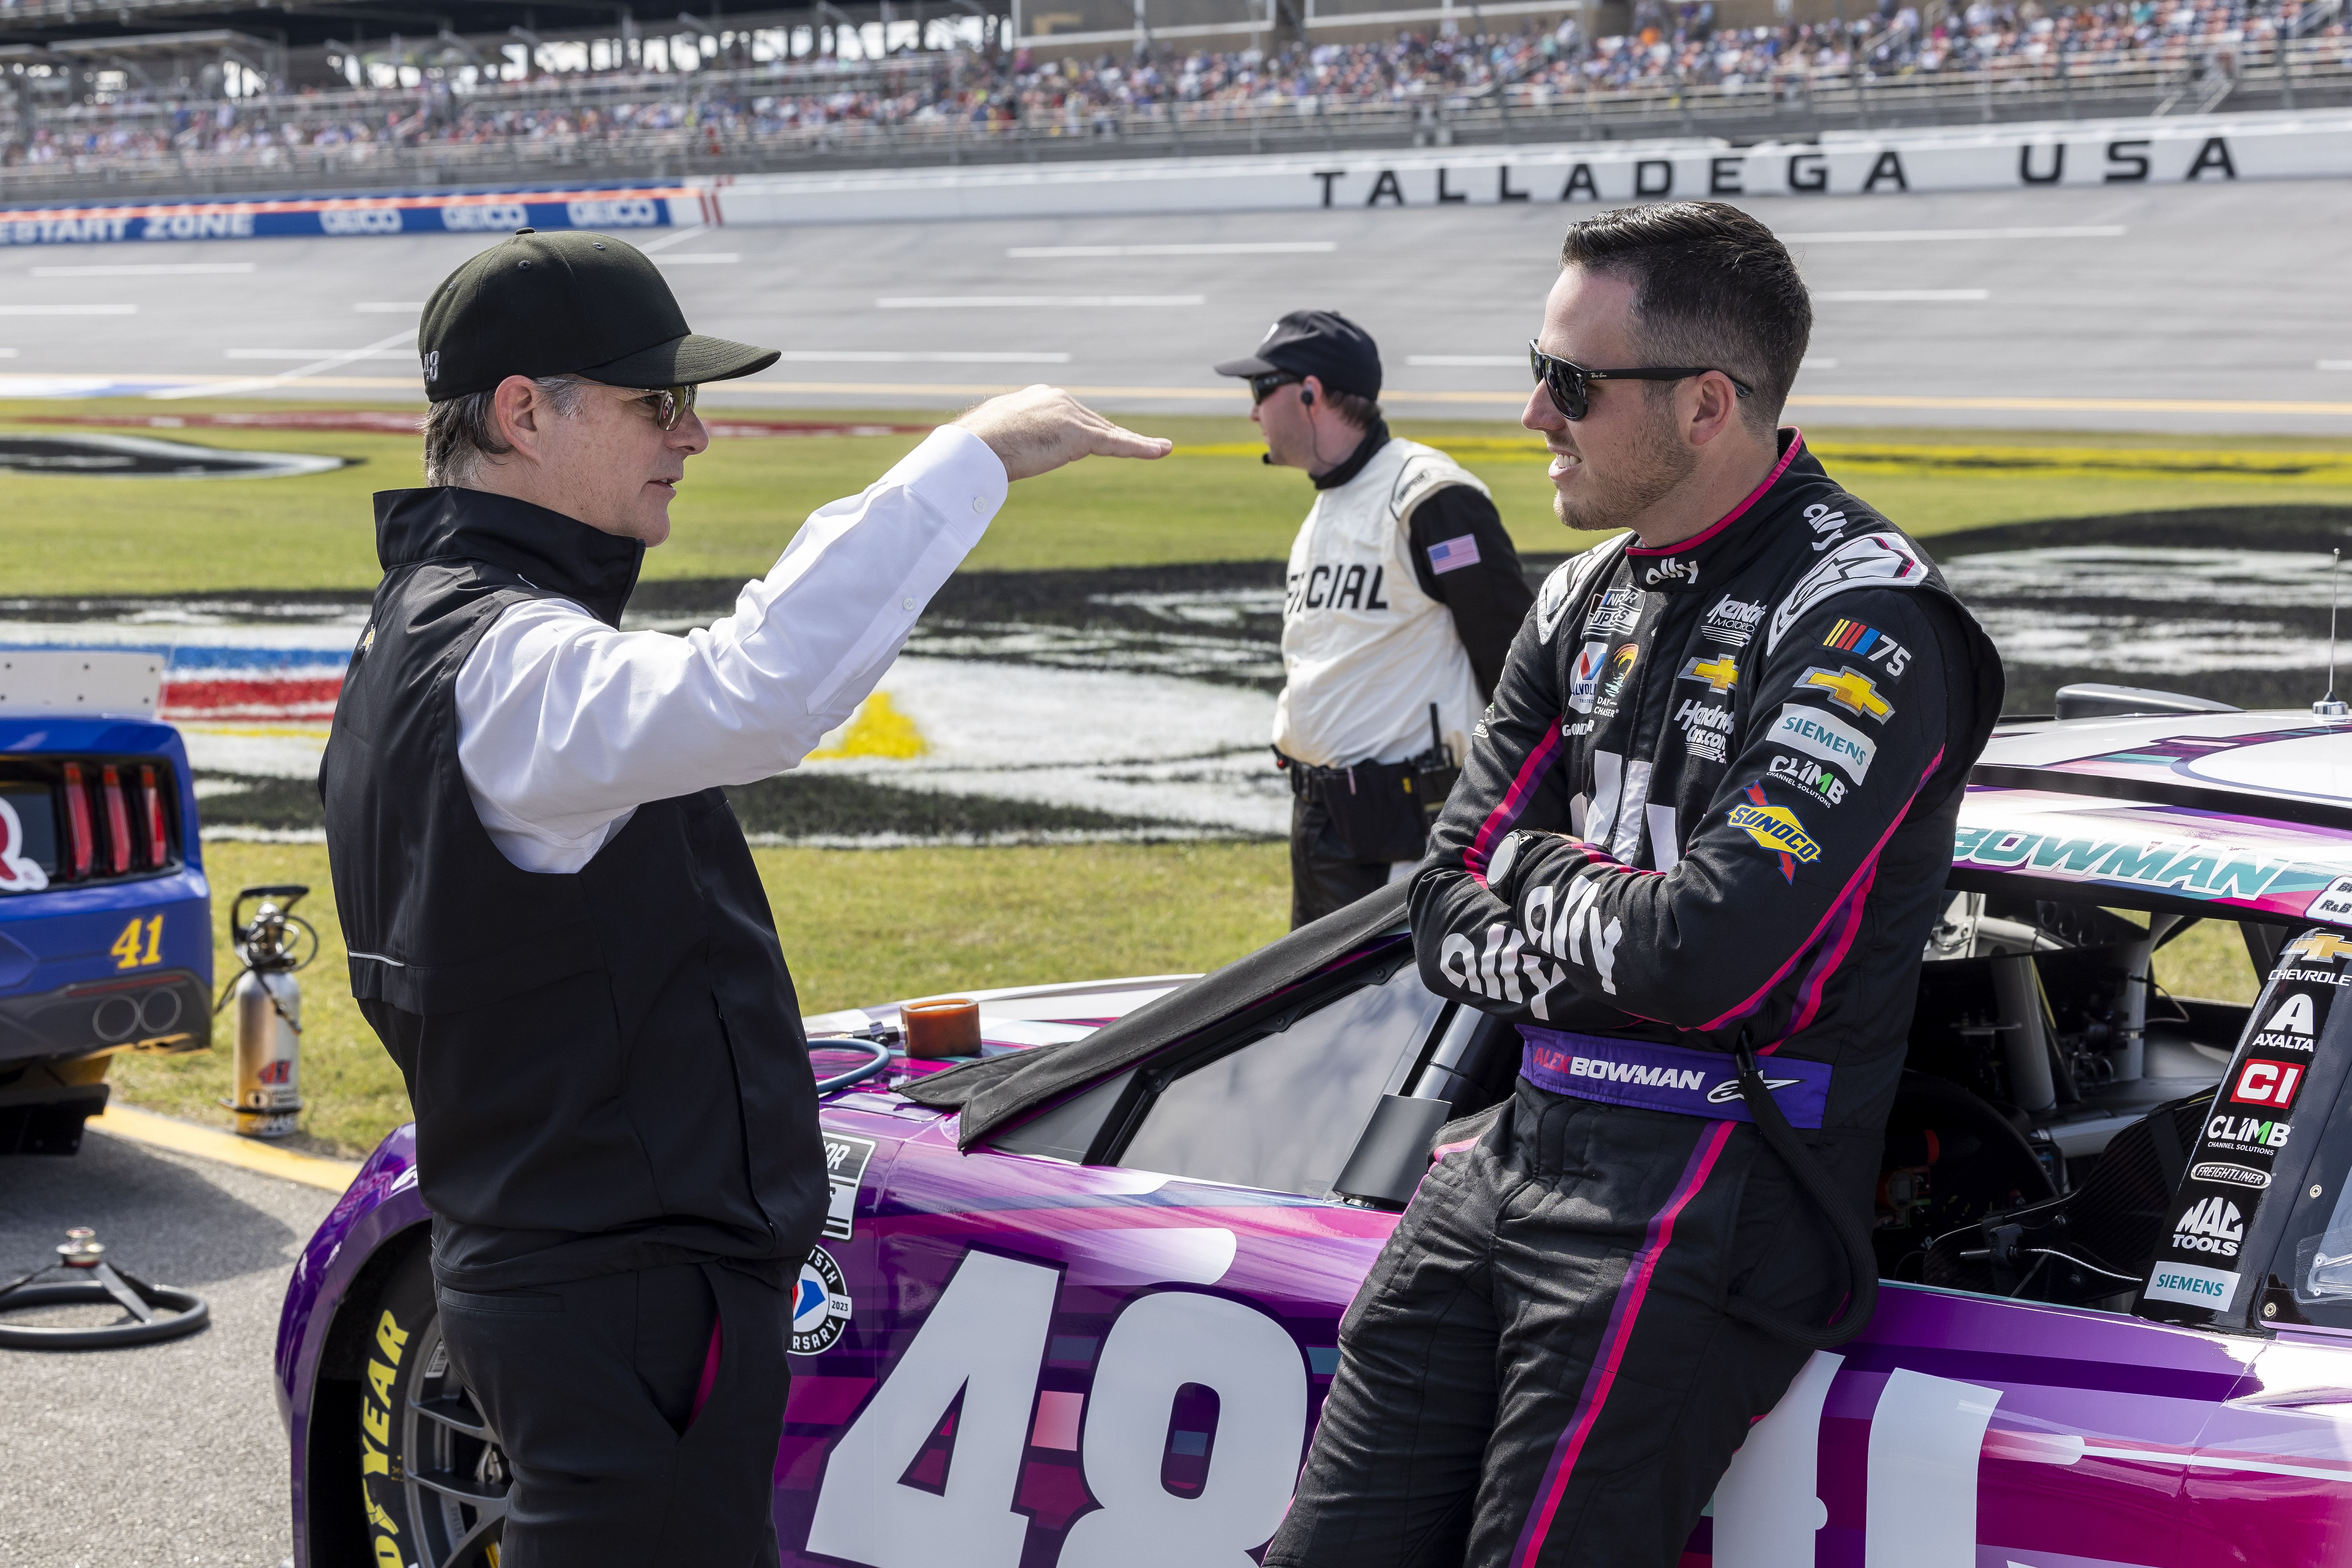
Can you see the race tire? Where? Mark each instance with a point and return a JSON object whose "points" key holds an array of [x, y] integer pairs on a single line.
{"points": [[434, 1480]]}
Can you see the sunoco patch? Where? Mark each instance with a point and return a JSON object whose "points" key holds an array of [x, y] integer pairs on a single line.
{"points": [[820, 1305]]}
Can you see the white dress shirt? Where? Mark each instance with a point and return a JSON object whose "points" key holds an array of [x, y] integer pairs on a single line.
{"points": [[565, 726]]}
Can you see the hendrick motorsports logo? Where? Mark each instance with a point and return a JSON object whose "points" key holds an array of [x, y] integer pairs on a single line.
{"points": [[820, 1305]]}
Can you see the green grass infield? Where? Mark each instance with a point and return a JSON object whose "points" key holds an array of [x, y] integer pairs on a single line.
{"points": [[1212, 501]]}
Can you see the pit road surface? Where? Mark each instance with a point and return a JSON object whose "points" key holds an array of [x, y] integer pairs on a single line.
{"points": [[2211, 297], [166, 1455]]}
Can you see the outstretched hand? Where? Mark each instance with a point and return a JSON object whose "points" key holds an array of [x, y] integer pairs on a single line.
{"points": [[1040, 429]]}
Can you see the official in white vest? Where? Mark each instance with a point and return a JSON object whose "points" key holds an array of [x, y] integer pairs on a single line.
{"points": [[1402, 598]]}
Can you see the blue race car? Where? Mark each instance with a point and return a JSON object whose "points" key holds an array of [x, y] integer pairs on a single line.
{"points": [[105, 915]]}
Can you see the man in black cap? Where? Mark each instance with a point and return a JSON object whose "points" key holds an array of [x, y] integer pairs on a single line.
{"points": [[1400, 603], [554, 923]]}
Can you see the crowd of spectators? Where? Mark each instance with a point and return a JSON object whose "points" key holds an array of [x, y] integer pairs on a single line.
{"points": [[1675, 48]]}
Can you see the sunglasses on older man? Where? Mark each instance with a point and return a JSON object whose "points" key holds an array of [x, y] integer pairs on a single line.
{"points": [[1570, 385], [668, 406]]}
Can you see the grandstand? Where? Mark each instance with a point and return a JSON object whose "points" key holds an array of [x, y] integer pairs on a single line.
{"points": [[229, 99]]}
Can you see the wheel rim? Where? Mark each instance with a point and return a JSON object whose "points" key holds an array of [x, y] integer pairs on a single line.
{"points": [[457, 1475]]}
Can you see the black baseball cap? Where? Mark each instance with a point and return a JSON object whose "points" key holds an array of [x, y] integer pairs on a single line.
{"points": [[567, 304], [1321, 343]]}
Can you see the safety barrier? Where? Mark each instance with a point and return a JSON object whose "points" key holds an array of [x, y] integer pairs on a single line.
{"points": [[2062, 155], [411, 212]]}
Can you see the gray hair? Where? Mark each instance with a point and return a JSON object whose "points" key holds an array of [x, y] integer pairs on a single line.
{"points": [[462, 432]]}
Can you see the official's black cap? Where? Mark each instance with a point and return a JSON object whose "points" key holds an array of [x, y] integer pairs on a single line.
{"points": [[566, 304], [1321, 343]]}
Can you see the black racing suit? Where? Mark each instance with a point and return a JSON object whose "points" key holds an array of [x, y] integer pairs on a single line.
{"points": [[1738, 762]]}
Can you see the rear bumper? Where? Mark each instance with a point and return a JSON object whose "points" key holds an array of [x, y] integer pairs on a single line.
{"points": [[165, 1010]]}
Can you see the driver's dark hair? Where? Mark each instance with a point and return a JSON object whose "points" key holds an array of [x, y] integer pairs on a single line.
{"points": [[1712, 287]]}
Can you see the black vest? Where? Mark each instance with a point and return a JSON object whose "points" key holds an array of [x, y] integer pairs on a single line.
{"points": [[607, 1068]]}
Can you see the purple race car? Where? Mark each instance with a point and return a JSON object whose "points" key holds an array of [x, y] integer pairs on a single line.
{"points": [[1077, 1302]]}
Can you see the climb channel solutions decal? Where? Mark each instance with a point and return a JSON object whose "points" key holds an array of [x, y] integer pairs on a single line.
{"points": [[2250, 1123], [606, 209]]}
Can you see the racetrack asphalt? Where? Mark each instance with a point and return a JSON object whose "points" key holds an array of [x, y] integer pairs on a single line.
{"points": [[2195, 309], [160, 1456]]}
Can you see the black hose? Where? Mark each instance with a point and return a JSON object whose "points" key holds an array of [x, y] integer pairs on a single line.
{"points": [[880, 1057], [1861, 1260]]}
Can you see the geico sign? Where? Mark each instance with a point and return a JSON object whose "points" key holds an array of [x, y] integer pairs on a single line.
{"points": [[359, 220], [633, 212], [476, 217]]}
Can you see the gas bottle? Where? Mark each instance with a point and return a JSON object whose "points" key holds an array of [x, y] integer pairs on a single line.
{"points": [[268, 1001]]}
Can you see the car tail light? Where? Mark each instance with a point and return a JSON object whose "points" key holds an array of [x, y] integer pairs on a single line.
{"points": [[83, 849], [159, 846], [118, 821]]}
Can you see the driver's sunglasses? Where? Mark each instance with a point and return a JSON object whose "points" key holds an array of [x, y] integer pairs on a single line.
{"points": [[669, 406], [1265, 387], [1570, 385]]}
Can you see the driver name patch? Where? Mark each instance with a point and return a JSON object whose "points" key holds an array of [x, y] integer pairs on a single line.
{"points": [[820, 1305]]}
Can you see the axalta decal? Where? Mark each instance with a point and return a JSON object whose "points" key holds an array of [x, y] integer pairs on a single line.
{"points": [[2189, 865]]}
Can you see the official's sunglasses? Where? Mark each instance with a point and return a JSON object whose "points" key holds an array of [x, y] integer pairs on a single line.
{"points": [[669, 406], [1570, 385], [1265, 387]]}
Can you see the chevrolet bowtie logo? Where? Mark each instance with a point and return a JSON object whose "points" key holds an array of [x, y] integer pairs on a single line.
{"points": [[1720, 673], [2325, 946], [1852, 691]]}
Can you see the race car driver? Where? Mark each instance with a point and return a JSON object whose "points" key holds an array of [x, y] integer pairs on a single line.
{"points": [[1403, 592], [1705, 821], [554, 921]]}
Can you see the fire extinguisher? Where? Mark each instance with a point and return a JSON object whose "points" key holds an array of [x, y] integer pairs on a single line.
{"points": [[268, 1097]]}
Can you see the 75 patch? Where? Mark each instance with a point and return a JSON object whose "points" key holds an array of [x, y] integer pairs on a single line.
{"points": [[1870, 643]]}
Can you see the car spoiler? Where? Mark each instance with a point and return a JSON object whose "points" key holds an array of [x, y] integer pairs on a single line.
{"points": [[1000, 1089]]}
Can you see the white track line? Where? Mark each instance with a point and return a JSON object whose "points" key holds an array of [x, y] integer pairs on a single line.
{"points": [[301, 355], [146, 269], [1896, 296], [889, 356], [676, 236], [1930, 236], [262, 383], [69, 310], [1034, 301], [1234, 247]]}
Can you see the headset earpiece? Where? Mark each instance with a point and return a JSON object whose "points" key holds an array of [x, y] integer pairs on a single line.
{"points": [[1307, 398]]}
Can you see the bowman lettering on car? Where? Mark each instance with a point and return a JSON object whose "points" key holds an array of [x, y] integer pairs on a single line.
{"points": [[2286, 1059]]}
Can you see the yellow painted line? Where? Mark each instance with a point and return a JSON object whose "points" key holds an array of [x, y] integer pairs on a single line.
{"points": [[212, 1144]]}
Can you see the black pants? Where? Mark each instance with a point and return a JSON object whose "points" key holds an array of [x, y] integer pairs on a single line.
{"points": [[1539, 1369], [590, 1385], [1322, 876]]}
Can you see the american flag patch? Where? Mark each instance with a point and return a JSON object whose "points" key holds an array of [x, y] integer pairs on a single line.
{"points": [[1449, 554]]}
